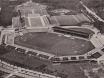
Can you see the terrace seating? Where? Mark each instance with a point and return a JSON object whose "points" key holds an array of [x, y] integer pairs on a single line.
{"points": [[72, 32], [31, 53], [43, 56]]}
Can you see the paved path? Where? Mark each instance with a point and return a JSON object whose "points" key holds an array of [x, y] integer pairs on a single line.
{"points": [[92, 13]]}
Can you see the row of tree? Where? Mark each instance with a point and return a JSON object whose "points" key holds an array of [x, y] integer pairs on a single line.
{"points": [[7, 11]]}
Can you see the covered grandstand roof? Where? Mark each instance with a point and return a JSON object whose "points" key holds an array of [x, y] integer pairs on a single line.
{"points": [[68, 20]]}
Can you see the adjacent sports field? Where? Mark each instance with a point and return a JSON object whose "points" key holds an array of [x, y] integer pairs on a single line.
{"points": [[68, 20], [54, 44], [35, 22]]}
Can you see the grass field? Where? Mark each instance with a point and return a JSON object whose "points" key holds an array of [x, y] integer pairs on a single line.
{"points": [[35, 22], [54, 44], [68, 20]]}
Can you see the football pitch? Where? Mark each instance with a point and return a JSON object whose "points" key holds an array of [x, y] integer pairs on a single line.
{"points": [[54, 44], [68, 20]]}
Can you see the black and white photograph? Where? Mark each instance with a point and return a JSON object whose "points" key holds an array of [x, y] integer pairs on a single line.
{"points": [[51, 38]]}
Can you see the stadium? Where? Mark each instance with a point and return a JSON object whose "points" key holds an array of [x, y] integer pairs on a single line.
{"points": [[44, 46], [55, 42]]}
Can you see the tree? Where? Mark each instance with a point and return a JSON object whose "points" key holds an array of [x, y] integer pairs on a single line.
{"points": [[6, 16]]}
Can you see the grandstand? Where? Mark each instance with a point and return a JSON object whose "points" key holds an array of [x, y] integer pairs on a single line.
{"points": [[80, 29], [72, 32]]}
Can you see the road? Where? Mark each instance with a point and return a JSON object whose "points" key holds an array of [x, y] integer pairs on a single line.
{"points": [[92, 13]]}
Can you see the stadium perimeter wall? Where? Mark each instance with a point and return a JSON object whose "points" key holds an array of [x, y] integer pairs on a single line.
{"points": [[38, 29]]}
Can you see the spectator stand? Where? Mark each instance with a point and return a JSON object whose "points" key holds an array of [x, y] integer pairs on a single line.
{"points": [[66, 59], [72, 32]]}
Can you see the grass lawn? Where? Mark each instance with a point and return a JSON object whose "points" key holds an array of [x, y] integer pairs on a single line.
{"points": [[72, 70], [35, 22], [54, 44]]}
